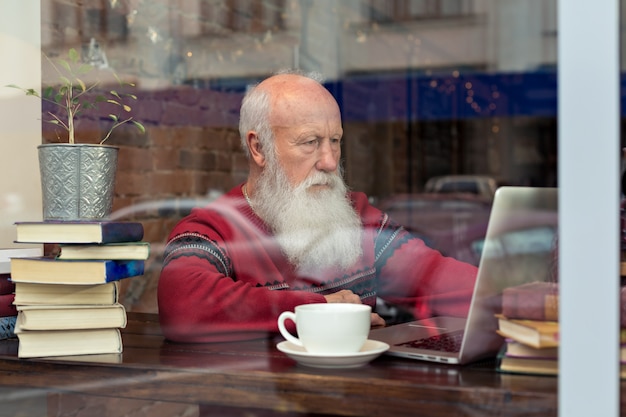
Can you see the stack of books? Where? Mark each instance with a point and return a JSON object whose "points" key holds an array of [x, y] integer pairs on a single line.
{"points": [[529, 324], [531, 346], [8, 313], [68, 304]]}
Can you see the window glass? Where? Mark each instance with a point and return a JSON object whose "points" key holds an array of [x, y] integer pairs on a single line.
{"points": [[443, 101], [458, 92]]}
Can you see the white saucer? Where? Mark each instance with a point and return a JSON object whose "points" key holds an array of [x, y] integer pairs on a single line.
{"points": [[370, 350]]}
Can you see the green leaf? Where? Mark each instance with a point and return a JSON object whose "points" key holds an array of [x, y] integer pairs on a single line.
{"points": [[139, 126], [126, 107], [113, 117], [73, 54], [85, 68], [65, 65], [83, 87], [114, 93], [48, 92], [113, 102]]}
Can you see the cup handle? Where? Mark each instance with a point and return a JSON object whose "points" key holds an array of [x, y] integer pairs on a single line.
{"points": [[288, 315]]}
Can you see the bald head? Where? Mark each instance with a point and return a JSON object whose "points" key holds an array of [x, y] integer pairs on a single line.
{"points": [[298, 101], [289, 92]]}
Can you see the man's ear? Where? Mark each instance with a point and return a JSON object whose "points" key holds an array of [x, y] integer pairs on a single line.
{"points": [[256, 150]]}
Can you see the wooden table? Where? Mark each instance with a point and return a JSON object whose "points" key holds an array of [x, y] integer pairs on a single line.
{"points": [[233, 378]]}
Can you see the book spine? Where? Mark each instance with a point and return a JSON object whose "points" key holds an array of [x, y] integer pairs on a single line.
{"points": [[116, 270], [7, 327], [102, 232], [542, 305], [530, 305], [118, 232]]}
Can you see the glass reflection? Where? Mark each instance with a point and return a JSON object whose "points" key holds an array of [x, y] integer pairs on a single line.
{"points": [[427, 89]]}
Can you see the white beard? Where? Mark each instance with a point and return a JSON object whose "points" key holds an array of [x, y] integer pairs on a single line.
{"points": [[316, 230]]}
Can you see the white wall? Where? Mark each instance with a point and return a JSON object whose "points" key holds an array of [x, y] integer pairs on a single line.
{"points": [[20, 116]]}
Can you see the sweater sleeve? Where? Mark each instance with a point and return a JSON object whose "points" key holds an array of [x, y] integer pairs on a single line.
{"points": [[412, 275], [202, 298], [421, 279]]}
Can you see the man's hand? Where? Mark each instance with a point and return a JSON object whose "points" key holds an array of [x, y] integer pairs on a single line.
{"points": [[343, 296], [347, 296], [378, 321]]}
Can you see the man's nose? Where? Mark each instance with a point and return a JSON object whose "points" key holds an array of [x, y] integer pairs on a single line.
{"points": [[328, 157]]}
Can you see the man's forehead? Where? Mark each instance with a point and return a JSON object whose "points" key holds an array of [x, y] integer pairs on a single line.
{"points": [[312, 122], [294, 107], [316, 129]]}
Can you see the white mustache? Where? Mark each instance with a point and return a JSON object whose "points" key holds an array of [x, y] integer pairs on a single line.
{"points": [[320, 178]]}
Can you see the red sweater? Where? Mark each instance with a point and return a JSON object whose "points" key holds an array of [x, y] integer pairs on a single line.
{"points": [[224, 277]]}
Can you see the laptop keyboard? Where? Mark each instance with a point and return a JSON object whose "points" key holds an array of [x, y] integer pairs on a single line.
{"points": [[447, 342]]}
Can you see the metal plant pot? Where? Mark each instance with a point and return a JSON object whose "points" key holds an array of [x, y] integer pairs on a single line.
{"points": [[77, 180]]}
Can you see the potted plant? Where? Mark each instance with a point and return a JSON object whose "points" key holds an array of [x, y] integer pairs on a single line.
{"points": [[77, 180]]}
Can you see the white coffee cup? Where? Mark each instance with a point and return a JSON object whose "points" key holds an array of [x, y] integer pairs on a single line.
{"points": [[328, 328]]}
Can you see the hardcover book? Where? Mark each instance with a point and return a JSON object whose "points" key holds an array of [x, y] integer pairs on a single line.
{"points": [[548, 365], [518, 358], [78, 232], [537, 367], [117, 251], [28, 293], [65, 317], [533, 300], [43, 343], [527, 365], [45, 270], [92, 358], [535, 333], [517, 349], [8, 253], [540, 301]]}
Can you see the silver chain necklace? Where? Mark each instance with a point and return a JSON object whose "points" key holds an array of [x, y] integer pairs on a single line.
{"points": [[245, 194]]}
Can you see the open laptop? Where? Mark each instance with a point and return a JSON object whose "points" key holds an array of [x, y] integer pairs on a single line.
{"points": [[518, 248]]}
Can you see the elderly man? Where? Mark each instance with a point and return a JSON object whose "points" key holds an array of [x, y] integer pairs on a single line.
{"points": [[293, 234]]}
